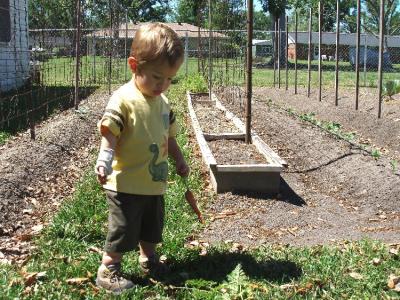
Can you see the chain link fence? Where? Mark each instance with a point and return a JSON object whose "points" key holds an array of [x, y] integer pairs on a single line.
{"points": [[45, 70]]}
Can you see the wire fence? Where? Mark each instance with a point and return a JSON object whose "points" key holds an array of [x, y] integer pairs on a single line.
{"points": [[46, 70]]}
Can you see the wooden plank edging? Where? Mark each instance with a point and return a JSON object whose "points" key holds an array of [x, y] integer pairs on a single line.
{"points": [[262, 147], [207, 155]]}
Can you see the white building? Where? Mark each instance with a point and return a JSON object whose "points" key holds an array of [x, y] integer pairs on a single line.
{"points": [[14, 52]]}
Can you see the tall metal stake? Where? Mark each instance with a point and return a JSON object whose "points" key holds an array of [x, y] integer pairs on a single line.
{"points": [[287, 53], [319, 53], [249, 69], [295, 53], [275, 49], [358, 52], [126, 44], [309, 53], [279, 53], [337, 52], [381, 37], [209, 51], [111, 48], [77, 52]]}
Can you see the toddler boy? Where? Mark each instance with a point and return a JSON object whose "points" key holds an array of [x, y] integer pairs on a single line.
{"points": [[138, 132]]}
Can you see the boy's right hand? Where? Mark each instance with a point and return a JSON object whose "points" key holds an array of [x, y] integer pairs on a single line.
{"points": [[103, 166], [101, 175]]}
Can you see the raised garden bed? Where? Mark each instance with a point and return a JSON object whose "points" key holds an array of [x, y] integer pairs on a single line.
{"points": [[233, 164]]}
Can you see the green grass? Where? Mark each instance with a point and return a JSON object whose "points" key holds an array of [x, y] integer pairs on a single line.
{"points": [[269, 272]]}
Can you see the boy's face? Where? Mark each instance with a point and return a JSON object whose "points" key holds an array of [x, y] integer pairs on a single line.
{"points": [[155, 78]]}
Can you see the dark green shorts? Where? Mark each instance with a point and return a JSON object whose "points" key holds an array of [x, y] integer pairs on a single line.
{"points": [[133, 218]]}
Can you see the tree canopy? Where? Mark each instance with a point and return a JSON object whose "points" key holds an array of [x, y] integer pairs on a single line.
{"points": [[95, 13]]}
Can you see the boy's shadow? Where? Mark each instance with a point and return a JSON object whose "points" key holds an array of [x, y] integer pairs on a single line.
{"points": [[217, 266]]}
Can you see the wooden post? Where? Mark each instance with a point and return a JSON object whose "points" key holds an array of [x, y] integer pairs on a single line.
{"points": [[209, 50], [287, 53], [295, 52], [249, 69], [358, 52], [126, 45], [337, 52], [275, 49], [279, 53], [320, 52], [380, 64], [110, 50], [309, 52], [77, 52]]}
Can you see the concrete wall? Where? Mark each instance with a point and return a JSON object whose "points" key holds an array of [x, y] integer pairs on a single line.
{"points": [[14, 55]]}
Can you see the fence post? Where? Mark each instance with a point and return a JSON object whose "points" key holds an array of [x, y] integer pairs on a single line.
{"points": [[249, 69], [337, 52], [287, 53], [358, 52], [126, 44], [279, 52], [320, 52], [365, 59], [77, 54], [309, 52], [186, 53], [381, 36], [275, 50], [209, 51], [295, 52]]}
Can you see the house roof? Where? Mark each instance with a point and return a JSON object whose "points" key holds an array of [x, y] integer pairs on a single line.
{"points": [[180, 28], [329, 38]]}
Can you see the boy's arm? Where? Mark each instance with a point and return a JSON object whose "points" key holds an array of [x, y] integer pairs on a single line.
{"points": [[175, 152], [106, 155]]}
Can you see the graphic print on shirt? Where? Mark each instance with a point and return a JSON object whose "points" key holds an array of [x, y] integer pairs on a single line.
{"points": [[159, 172]]}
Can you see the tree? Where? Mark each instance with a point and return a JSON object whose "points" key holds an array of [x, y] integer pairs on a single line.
{"points": [[262, 21], [347, 13], [391, 19], [191, 11], [95, 13], [51, 14], [277, 10]]}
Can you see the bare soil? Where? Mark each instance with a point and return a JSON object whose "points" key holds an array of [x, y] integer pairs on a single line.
{"points": [[235, 152], [36, 176], [331, 191]]}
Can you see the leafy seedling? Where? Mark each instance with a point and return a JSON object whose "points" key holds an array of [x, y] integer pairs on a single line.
{"points": [[391, 88], [376, 153]]}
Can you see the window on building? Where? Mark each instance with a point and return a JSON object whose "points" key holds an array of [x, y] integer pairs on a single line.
{"points": [[5, 22]]}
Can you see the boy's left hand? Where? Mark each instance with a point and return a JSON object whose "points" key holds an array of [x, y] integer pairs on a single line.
{"points": [[182, 169]]}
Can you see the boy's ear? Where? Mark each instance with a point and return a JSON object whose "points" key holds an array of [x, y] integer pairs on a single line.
{"points": [[133, 63]]}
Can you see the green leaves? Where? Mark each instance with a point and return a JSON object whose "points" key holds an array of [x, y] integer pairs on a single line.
{"points": [[391, 87]]}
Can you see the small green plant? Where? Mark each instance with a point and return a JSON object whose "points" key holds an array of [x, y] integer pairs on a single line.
{"points": [[290, 111], [391, 88], [195, 83], [4, 136], [376, 153], [393, 164], [237, 285], [309, 117]]}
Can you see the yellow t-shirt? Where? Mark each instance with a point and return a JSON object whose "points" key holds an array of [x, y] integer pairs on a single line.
{"points": [[142, 125]]}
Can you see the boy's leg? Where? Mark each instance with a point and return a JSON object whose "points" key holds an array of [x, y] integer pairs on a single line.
{"points": [[109, 274], [151, 234], [110, 258]]}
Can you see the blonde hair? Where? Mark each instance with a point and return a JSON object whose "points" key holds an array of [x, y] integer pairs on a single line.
{"points": [[154, 41]]}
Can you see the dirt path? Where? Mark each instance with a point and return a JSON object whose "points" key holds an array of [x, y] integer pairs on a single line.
{"points": [[331, 191]]}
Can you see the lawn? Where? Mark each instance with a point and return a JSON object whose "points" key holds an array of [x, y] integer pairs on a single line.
{"points": [[66, 250]]}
